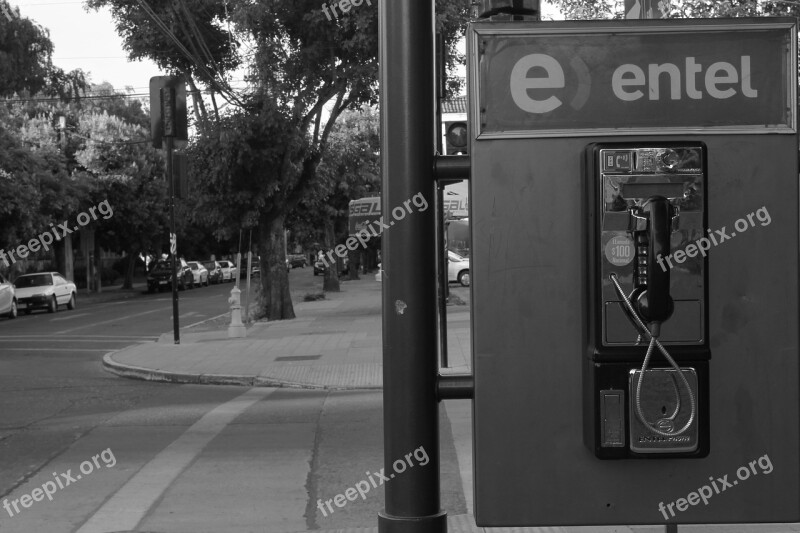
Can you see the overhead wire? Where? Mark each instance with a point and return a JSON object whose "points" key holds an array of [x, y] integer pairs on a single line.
{"points": [[226, 92]]}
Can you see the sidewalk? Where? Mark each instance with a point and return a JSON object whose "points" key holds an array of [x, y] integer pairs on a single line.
{"points": [[332, 344]]}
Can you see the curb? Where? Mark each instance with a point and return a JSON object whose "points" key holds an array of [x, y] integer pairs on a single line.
{"points": [[164, 376]]}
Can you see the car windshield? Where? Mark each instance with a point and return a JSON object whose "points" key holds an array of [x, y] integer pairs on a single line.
{"points": [[210, 265], [193, 266], [33, 280], [455, 257], [163, 265]]}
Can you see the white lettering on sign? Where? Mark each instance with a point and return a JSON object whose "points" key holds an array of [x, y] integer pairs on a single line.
{"points": [[721, 80], [718, 80], [520, 82]]}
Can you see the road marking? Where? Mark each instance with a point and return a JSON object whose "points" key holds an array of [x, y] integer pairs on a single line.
{"points": [[112, 320], [55, 350], [70, 317], [47, 338], [206, 320], [131, 503]]}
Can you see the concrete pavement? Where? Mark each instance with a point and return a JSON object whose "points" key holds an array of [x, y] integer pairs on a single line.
{"points": [[336, 344], [332, 344]]}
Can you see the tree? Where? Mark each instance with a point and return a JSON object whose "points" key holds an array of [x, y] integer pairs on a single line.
{"points": [[183, 37], [305, 70], [26, 60], [348, 171], [604, 9], [128, 174]]}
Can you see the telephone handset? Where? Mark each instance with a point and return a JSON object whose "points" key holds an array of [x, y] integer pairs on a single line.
{"points": [[653, 301], [641, 199]]}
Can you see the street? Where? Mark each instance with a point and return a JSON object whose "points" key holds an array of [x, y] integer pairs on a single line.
{"points": [[261, 457]]}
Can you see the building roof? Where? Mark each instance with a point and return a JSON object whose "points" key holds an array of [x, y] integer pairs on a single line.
{"points": [[455, 105]]}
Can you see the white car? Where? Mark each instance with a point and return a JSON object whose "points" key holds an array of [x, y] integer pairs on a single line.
{"points": [[199, 272], [457, 268], [8, 298], [229, 270], [44, 290]]}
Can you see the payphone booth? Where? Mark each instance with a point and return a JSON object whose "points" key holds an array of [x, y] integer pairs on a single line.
{"points": [[635, 272]]}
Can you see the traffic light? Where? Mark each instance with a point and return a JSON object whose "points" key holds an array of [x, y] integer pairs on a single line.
{"points": [[455, 135], [168, 110]]}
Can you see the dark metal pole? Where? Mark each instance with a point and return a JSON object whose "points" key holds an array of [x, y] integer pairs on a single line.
{"points": [[441, 268], [409, 254], [173, 237], [441, 244]]}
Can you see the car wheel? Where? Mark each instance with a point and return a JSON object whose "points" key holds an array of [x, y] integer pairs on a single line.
{"points": [[207, 282], [71, 304], [27, 311], [13, 312], [463, 278], [53, 307]]}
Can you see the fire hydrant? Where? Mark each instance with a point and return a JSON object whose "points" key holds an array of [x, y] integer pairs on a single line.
{"points": [[236, 329]]}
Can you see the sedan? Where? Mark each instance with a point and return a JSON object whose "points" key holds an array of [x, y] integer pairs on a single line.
{"points": [[229, 270], [44, 290], [297, 260], [214, 271], [199, 272], [160, 277], [457, 268], [8, 298]]}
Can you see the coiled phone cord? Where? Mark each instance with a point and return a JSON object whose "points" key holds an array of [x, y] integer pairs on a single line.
{"points": [[654, 342]]}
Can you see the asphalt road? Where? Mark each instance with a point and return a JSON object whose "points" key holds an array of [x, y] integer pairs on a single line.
{"points": [[174, 458]]}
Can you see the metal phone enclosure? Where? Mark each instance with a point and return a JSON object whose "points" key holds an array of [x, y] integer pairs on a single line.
{"points": [[621, 177]]}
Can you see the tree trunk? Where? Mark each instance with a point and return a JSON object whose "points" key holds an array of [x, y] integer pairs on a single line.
{"points": [[275, 299], [330, 281], [354, 264], [128, 282]]}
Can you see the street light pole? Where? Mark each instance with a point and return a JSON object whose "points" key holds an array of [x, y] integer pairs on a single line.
{"points": [[173, 240], [410, 407]]}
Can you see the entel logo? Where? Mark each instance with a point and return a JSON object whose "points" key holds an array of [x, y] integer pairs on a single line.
{"points": [[720, 81]]}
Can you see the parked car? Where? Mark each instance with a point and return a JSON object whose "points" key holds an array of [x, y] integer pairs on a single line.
{"points": [[199, 272], [214, 271], [229, 270], [160, 277], [8, 298], [255, 269], [457, 268], [44, 290], [320, 266], [297, 261]]}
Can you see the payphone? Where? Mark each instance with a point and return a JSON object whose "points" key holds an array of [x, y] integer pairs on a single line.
{"points": [[646, 375]]}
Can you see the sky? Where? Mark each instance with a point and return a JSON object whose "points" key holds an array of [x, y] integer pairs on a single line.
{"points": [[87, 40]]}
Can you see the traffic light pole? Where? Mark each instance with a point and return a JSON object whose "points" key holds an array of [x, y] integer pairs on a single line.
{"points": [[173, 238], [409, 252]]}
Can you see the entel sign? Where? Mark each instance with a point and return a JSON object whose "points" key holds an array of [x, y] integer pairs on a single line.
{"points": [[668, 74], [721, 81]]}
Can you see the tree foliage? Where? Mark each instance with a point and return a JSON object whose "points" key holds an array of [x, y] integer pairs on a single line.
{"points": [[606, 9], [26, 60]]}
